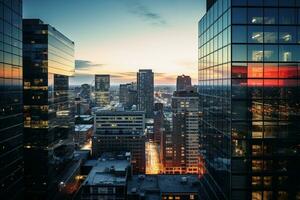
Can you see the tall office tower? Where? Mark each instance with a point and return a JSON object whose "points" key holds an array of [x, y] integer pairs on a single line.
{"points": [[158, 122], [183, 83], [11, 117], [121, 131], [186, 117], [48, 58], [145, 90], [128, 95], [102, 85], [249, 93]]}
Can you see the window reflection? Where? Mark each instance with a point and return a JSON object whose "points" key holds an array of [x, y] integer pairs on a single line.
{"points": [[270, 34], [255, 53], [270, 53], [255, 16], [255, 34], [270, 16], [255, 70], [287, 16], [287, 34]]}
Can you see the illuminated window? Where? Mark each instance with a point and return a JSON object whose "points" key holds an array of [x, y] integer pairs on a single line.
{"points": [[257, 196]]}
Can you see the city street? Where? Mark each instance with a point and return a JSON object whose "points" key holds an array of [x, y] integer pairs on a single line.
{"points": [[152, 158]]}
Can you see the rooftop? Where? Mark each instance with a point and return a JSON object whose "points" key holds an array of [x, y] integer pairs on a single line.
{"points": [[157, 184], [107, 172], [83, 127]]}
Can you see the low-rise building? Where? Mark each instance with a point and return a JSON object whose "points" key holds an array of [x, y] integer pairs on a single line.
{"points": [[161, 187], [83, 134], [107, 177]]}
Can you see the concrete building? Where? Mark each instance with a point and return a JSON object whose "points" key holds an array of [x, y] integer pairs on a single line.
{"points": [[83, 134], [107, 177], [183, 83], [102, 86], [162, 187], [145, 91], [121, 131], [128, 95], [158, 119], [185, 137]]}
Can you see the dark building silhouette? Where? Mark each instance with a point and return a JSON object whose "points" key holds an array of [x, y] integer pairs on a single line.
{"points": [[145, 91], [249, 96], [11, 116], [48, 58], [183, 83]]}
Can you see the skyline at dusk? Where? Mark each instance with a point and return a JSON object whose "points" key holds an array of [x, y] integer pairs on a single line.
{"points": [[120, 37]]}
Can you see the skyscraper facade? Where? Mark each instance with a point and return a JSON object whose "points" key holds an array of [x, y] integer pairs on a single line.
{"points": [[102, 85], [145, 90], [185, 138], [249, 96], [48, 58], [183, 83], [121, 131], [11, 116]]}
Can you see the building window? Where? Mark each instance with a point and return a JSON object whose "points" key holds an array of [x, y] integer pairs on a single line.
{"points": [[239, 52], [270, 16], [255, 53], [239, 34], [287, 34], [271, 53], [270, 34], [255, 16], [255, 34], [239, 15], [287, 16]]}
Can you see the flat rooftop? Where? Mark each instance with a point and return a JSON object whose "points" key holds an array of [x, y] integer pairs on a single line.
{"points": [[107, 172], [157, 184], [83, 127]]}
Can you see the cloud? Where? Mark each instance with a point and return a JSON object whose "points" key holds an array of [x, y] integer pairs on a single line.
{"points": [[146, 13], [85, 64]]}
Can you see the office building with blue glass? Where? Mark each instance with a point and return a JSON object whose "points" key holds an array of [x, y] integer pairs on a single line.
{"points": [[249, 56], [11, 116]]}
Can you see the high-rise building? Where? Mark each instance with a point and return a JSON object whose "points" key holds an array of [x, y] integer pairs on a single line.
{"points": [[128, 95], [102, 85], [185, 138], [145, 91], [183, 83], [249, 96], [48, 58], [11, 111], [121, 131], [158, 122]]}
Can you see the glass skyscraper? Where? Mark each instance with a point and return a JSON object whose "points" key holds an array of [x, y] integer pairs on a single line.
{"points": [[249, 87], [11, 117], [48, 62]]}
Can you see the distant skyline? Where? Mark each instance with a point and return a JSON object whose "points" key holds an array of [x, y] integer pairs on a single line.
{"points": [[119, 37]]}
